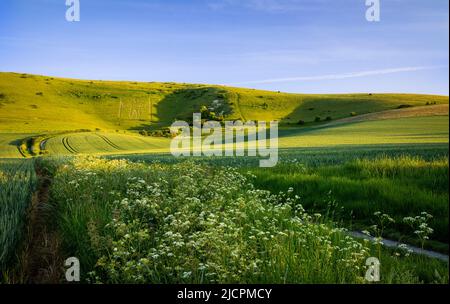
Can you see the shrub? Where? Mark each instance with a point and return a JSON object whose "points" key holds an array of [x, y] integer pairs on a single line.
{"points": [[40, 94], [317, 119], [329, 118], [2, 96], [353, 114], [404, 106], [301, 122]]}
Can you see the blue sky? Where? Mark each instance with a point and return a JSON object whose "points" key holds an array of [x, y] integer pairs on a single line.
{"points": [[308, 46]]}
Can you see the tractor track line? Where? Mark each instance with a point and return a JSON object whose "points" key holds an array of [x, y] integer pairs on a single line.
{"points": [[66, 144], [109, 142]]}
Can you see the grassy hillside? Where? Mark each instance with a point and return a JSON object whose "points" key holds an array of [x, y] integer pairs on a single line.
{"points": [[30, 103], [290, 108], [37, 105], [43, 104]]}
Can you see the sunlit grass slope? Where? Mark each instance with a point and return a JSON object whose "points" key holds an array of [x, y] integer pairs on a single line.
{"points": [[44, 104], [36, 105], [420, 130], [30, 103]]}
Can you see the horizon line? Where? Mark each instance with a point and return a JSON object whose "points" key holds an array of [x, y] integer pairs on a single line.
{"points": [[238, 84]]}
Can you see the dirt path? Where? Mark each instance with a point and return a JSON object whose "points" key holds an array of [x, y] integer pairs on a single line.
{"points": [[238, 106], [43, 263], [394, 244]]}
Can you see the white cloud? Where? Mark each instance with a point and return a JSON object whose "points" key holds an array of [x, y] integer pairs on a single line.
{"points": [[267, 5], [341, 76]]}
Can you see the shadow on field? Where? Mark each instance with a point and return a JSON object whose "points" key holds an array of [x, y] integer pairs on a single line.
{"points": [[334, 107], [181, 104], [16, 144]]}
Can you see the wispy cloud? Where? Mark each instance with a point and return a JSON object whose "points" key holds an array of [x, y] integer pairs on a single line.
{"points": [[267, 5], [341, 76]]}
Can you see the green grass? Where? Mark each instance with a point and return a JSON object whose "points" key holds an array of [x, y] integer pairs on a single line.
{"points": [[400, 186], [105, 143], [9, 144], [417, 130], [220, 225], [17, 183], [394, 131], [401, 180], [291, 108], [40, 105], [188, 223], [69, 104]]}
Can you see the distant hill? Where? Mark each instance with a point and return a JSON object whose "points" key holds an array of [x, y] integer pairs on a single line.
{"points": [[39, 104]]}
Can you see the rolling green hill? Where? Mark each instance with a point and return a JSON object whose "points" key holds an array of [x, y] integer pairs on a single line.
{"points": [[33, 105]]}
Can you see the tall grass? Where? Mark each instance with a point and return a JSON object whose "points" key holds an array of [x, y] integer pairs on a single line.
{"points": [[192, 223], [399, 186], [17, 183]]}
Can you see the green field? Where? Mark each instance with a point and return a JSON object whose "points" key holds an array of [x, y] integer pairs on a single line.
{"points": [[399, 131], [17, 183], [110, 193], [416, 130], [9, 144], [105, 143]]}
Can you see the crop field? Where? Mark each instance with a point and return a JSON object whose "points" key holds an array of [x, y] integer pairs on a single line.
{"points": [[86, 172], [413, 130], [105, 143], [394, 131], [17, 183]]}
